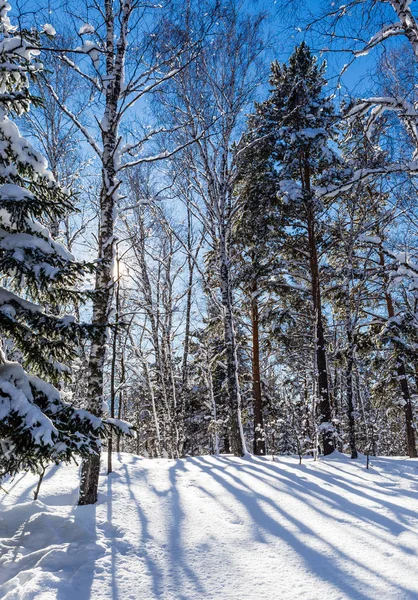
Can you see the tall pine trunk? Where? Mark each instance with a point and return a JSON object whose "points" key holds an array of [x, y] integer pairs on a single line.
{"points": [[324, 404], [350, 403]]}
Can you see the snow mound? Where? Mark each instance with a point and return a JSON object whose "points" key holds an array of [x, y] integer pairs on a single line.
{"points": [[41, 550], [215, 528]]}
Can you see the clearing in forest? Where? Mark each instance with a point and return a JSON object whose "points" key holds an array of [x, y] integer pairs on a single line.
{"points": [[215, 528]]}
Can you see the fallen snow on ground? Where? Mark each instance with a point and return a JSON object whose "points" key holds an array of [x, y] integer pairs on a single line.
{"points": [[215, 528]]}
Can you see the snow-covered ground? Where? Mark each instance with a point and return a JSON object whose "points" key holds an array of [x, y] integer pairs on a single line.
{"points": [[215, 528]]}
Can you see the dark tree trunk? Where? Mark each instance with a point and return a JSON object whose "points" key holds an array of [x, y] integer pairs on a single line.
{"points": [[38, 487], [324, 404], [259, 441], [323, 392], [350, 407], [409, 418], [349, 377]]}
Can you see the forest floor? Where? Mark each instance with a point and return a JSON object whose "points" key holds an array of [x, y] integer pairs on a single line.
{"points": [[218, 528]]}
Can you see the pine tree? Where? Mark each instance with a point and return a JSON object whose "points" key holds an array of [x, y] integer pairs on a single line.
{"points": [[37, 424], [299, 121]]}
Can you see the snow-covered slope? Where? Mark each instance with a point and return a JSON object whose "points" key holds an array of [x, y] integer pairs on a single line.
{"points": [[216, 528]]}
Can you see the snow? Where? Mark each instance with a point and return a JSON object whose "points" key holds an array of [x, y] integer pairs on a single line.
{"points": [[86, 29], [49, 30], [23, 150], [215, 528], [25, 241], [371, 239], [4, 18], [92, 49], [11, 191], [47, 389], [310, 133], [386, 32], [6, 297], [291, 189], [19, 46], [125, 427], [13, 399]]}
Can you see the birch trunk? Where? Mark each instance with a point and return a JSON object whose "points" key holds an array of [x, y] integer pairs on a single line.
{"points": [[184, 365], [238, 446], [106, 243], [259, 440]]}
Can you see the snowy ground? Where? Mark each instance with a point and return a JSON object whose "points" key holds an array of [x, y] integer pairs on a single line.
{"points": [[215, 528]]}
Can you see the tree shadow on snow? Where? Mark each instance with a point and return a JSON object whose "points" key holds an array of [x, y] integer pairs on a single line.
{"points": [[328, 562], [153, 568], [180, 569], [172, 574]]}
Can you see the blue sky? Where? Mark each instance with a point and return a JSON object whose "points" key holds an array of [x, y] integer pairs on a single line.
{"points": [[286, 25]]}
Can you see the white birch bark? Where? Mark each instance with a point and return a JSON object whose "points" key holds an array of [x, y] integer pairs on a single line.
{"points": [[119, 84]]}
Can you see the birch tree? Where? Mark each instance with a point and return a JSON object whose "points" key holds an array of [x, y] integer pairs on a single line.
{"points": [[117, 58], [213, 93], [38, 426]]}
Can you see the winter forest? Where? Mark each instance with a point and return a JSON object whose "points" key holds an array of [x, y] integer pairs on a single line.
{"points": [[208, 299]]}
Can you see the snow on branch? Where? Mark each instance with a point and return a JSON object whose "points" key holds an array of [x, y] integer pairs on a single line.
{"points": [[407, 21], [385, 33], [377, 105], [162, 155], [360, 175]]}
